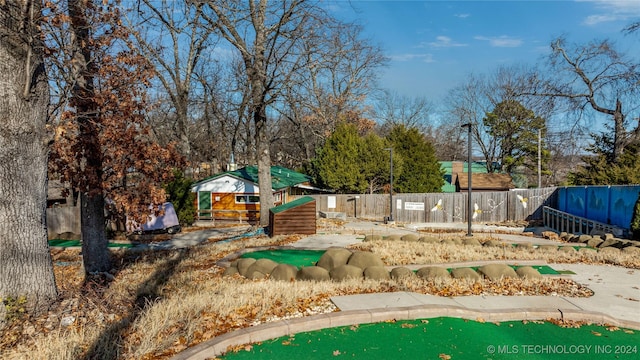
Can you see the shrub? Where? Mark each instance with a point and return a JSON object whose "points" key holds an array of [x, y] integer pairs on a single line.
{"points": [[635, 221], [183, 200]]}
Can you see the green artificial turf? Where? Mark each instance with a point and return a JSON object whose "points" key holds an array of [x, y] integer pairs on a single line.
{"points": [[293, 257], [456, 338], [77, 243]]}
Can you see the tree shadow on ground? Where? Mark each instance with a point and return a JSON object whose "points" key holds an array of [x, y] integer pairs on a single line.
{"points": [[108, 345]]}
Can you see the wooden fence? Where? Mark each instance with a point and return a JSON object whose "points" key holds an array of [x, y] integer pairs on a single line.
{"points": [[487, 207]]}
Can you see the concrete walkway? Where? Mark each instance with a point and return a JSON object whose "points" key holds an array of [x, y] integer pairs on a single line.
{"points": [[616, 300]]}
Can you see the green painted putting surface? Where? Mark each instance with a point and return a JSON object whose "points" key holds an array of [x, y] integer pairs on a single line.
{"points": [[459, 339], [293, 257], [77, 243]]}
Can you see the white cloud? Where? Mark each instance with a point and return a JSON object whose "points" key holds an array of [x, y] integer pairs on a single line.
{"points": [[501, 41], [612, 10], [445, 41], [428, 58], [462, 16]]}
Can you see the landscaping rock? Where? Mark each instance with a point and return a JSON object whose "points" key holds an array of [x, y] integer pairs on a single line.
{"points": [[393, 237], [262, 265], [432, 272], [594, 242], [584, 238], [284, 272], [524, 246], [465, 273], [548, 248], [372, 238], [569, 249], [496, 272], [334, 257], [364, 259], [585, 248], [376, 273], [230, 271], [313, 273], [551, 235], [471, 242], [429, 239], [255, 275], [243, 265], [632, 250], [410, 237], [447, 242], [609, 250], [344, 272], [611, 242], [527, 272], [457, 241], [400, 272]]}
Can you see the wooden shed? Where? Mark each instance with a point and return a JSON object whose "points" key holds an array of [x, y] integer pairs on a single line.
{"points": [[295, 217]]}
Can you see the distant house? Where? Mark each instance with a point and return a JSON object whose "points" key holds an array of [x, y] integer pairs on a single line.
{"points": [[236, 194], [483, 182], [451, 168]]}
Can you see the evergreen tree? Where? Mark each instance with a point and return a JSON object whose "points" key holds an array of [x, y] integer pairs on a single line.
{"points": [[337, 164], [375, 162], [422, 172], [183, 200], [600, 169]]}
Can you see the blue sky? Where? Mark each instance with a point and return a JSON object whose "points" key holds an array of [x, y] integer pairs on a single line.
{"points": [[433, 45]]}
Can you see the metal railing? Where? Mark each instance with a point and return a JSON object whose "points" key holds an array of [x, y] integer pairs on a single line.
{"points": [[564, 222]]}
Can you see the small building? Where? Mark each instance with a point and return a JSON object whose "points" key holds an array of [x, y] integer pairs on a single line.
{"points": [[236, 195], [483, 182], [295, 217], [451, 168]]}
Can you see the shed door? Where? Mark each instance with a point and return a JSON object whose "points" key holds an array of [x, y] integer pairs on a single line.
{"points": [[204, 203]]}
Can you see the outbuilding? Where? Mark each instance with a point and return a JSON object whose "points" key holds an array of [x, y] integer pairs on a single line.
{"points": [[236, 194]]}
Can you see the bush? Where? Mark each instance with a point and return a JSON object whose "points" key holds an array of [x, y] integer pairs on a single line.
{"points": [[183, 200], [635, 221]]}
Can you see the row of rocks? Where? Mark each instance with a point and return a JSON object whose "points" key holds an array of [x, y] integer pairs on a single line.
{"points": [[605, 243], [339, 264], [602, 241]]}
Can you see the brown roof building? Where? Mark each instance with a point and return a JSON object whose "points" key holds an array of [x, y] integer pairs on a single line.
{"points": [[483, 182]]}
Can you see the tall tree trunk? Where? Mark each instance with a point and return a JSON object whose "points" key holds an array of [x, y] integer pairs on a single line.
{"points": [[264, 165], [25, 262], [95, 253]]}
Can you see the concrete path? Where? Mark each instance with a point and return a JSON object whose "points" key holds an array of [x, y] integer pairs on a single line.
{"points": [[616, 299]]}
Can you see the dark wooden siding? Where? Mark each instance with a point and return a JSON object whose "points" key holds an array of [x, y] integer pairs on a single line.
{"points": [[295, 220]]}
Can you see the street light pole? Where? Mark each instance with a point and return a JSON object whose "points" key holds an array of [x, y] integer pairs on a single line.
{"points": [[469, 214], [390, 150]]}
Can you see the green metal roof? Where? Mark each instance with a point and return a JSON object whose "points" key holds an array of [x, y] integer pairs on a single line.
{"points": [[447, 167], [290, 205], [476, 167], [281, 177]]}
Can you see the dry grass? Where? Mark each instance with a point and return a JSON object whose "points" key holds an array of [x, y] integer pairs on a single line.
{"points": [[406, 253], [158, 304]]}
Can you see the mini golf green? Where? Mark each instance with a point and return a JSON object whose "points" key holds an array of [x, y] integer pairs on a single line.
{"points": [[77, 243], [450, 338], [301, 258], [293, 257]]}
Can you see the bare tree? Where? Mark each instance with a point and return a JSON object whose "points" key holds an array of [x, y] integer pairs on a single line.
{"points": [[25, 263], [267, 36], [393, 109], [173, 35], [593, 76], [339, 74]]}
